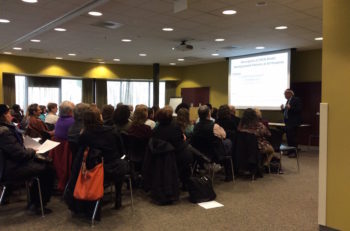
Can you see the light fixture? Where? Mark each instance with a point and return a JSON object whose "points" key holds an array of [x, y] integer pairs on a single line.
{"points": [[17, 48], [58, 58], [215, 54], [229, 12], [126, 40], [3, 20], [281, 27], [117, 60], [173, 48], [7, 53], [72, 54], [101, 62], [95, 13], [180, 60], [142, 54], [167, 29], [219, 40], [172, 64], [319, 38], [30, 1], [35, 40], [59, 29], [260, 48]]}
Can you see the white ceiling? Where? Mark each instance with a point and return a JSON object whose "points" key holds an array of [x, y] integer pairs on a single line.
{"points": [[143, 20]]}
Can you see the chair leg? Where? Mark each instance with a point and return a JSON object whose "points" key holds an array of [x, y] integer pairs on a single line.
{"points": [[297, 157], [193, 167], [131, 195], [40, 197], [2, 193], [280, 166], [28, 193], [94, 214], [233, 174]]}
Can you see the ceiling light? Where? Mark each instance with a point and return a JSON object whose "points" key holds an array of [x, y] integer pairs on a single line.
{"points": [[35, 40], [126, 40], [59, 29], [281, 27], [172, 64], [117, 60], [142, 54], [7, 53], [319, 38], [181, 60], [173, 48], [58, 58], [219, 40], [17, 48], [95, 13], [260, 48], [167, 29], [101, 62], [2, 20], [72, 54], [229, 12], [215, 54], [30, 1]]}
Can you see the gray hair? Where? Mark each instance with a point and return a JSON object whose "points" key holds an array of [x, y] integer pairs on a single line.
{"points": [[66, 108], [203, 112], [79, 110]]}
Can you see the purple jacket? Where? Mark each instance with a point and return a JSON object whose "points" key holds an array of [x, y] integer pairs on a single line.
{"points": [[62, 126]]}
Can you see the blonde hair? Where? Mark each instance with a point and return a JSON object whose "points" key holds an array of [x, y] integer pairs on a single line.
{"points": [[140, 114], [258, 113]]}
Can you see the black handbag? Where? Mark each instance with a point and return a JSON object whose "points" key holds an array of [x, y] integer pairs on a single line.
{"points": [[200, 189]]}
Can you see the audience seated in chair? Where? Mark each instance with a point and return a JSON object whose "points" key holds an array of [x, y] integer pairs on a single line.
{"points": [[36, 127]]}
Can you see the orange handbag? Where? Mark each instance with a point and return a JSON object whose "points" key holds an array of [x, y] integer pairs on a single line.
{"points": [[89, 184]]}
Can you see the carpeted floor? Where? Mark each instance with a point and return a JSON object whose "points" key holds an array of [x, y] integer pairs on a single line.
{"points": [[275, 202]]}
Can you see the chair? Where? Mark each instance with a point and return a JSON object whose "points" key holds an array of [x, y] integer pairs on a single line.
{"points": [[285, 148]]}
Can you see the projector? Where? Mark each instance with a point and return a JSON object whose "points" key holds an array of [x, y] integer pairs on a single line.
{"points": [[184, 47]]}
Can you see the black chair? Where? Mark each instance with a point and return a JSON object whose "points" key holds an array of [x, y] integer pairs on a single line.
{"points": [[50, 127]]}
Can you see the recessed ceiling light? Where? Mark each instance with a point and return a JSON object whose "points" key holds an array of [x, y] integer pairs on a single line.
{"points": [[58, 58], [229, 12], [59, 29], [319, 39], [72, 54], [17, 48], [219, 40], [101, 62], [215, 54], [167, 29], [30, 1], [2, 20], [117, 60], [181, 60], [142, 54], [126, 40], [173, 48], [7, 53], [281, 27], [172, 64], [35, 40], [95, 13], [259, 47]]}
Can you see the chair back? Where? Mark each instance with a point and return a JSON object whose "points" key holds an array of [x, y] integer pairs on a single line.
{"points": [[50, 127], [136, 147], [276, 138], [247, 155]]}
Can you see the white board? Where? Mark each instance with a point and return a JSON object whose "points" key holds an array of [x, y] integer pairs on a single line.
{"points": [[173, 102]]}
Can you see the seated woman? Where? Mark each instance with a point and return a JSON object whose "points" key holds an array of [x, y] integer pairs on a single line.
{"points": [[16, 113], [107, 114], [138, 127], [51, 117], [250, 123], [20, 164], [121, 118], [226, 122], [42, 115], [104, 138], [183, 120], [36, 127]]}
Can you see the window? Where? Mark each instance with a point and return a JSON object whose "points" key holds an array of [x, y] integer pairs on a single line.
{"points": [[113, 92], [21, 95], [71, 90]]}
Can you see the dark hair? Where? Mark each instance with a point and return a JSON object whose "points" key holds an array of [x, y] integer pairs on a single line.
{"points": [[155, 109], [182, 105], [4, 109], [107, 112], [121, 115], [51, 106], [203, 112], [224, 112], [249, 119], [42, 108], [165, 115], [214, 113], [92, 118], [32, 108], [183, 118], [16, 108], [79, 110], [209, 106], [140, 114], [150, 113]]}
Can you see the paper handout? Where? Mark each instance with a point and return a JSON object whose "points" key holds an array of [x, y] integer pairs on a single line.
{"points": [[210, 204], [41, 148]]}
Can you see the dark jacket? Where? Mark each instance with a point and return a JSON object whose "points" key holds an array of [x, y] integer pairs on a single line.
{"points": [[171, 133], [294, 113], [160, 172]]}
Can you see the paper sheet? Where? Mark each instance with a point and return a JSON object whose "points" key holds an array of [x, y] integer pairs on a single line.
{"points": [[210, 204], [31, 143], [41, 148], [47, 146]]}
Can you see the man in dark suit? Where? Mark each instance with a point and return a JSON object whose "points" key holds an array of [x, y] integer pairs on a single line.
{"points": [[292, 116]]}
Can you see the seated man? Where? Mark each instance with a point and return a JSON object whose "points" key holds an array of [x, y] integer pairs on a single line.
{"points": [[209, 138]]}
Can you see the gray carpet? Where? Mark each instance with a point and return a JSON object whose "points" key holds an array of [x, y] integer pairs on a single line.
{"points": [[275, 202]]}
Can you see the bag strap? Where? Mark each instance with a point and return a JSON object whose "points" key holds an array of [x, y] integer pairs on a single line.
{"points": [[83, 164]]}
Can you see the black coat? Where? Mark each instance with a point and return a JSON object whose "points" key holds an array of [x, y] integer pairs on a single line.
{"points": [[294, 113], [171, 133]]}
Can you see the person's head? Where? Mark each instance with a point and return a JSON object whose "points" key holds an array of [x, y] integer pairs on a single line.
{"points": [[232, 110], [165, 115], [209, 106], [16, 108], [66, 108], [214, 113], [183, 118], [131, 108], [155, 109], [79, 110], [121, 115], [150, 113], [182, 105], [92, 118], [107, 112], [204, 112], [34, 110], [52, 108], [43, 109], [249, 118], [288, 93], [258, 113], [5, 115], [140, 114], [224, 112], [119, 104]]}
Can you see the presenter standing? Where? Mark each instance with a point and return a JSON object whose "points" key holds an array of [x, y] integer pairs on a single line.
{"points": [[292, 117]]}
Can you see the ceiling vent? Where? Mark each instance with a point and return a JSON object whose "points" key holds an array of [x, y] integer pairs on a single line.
{"points": [[108, 24], [183, 46]]}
